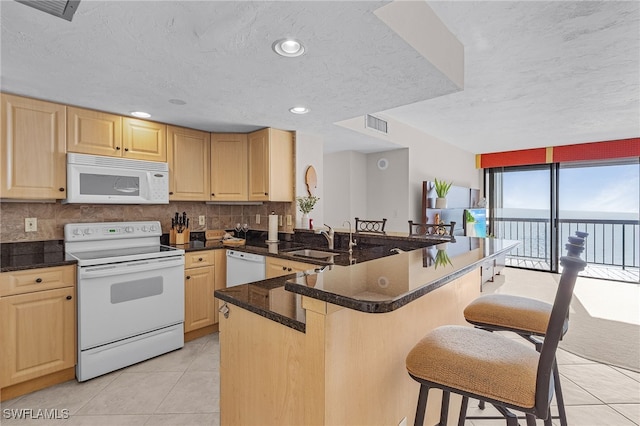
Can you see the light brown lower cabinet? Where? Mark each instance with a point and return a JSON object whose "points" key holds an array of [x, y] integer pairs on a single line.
{"points": [[37, 329], [205, 271], [277, 267]]}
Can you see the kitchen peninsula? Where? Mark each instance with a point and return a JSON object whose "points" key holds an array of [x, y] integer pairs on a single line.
{"points": [[328, 346]]}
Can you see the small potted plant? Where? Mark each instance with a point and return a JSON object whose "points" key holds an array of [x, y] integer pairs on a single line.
{"points": [[305, 205], [442, 189]]}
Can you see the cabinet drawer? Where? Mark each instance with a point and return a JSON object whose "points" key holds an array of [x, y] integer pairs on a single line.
{"points": [[30, 280], [196, 259]]}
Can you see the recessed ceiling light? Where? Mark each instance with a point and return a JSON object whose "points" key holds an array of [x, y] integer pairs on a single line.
{"points": [[299, 110], [288, 47], [177, 101], [141, 114]]}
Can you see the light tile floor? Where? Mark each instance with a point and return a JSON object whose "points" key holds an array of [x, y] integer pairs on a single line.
{"points": [[178, 388], [182, 388]]}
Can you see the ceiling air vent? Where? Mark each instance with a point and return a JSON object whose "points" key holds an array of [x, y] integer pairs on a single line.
{"points": [[375, 123], [61, 8]]}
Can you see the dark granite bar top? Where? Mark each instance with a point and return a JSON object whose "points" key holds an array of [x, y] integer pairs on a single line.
{"points": [[379, 284], [33, 255]]}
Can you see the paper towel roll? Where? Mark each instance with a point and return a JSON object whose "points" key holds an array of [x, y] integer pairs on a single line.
{"points": [[273, 228]]}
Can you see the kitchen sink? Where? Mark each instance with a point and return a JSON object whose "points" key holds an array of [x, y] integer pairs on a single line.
{"points": [[315, 254]]}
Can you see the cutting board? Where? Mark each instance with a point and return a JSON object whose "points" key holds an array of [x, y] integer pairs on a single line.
{"points": [[214, 234], [311, 179]]}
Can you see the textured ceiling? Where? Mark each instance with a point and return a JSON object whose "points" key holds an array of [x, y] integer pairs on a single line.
{"points": [[536, 73]]}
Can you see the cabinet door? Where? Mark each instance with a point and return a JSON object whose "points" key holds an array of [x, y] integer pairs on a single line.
{"points": [[32, 148], [271, 165], [275, 267], [188, 164], [281, 165], [37, 331], [229, 167], [144, 140], [259, 165], [94, 132], [220, 281], [300, 266], [198, 298]]}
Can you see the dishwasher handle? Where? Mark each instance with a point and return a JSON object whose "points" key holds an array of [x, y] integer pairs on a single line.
{"points": [[247, 257]]}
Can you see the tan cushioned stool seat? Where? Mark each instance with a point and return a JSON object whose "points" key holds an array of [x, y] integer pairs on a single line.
{"points": [[477, 362], [509, 312]]}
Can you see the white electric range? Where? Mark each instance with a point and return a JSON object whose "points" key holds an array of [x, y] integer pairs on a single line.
{"points": [[130, 294]]}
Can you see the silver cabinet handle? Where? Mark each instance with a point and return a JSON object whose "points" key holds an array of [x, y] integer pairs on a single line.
{"points": [[224, 310]]}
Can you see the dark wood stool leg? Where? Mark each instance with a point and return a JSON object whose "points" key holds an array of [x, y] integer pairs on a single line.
{"points": [[422, 405], [481, 405], [463, 411], [531, 420], [444, 408]]}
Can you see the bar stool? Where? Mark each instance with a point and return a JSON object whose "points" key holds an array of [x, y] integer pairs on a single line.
{"points": [[491, 367], [524, 316]]}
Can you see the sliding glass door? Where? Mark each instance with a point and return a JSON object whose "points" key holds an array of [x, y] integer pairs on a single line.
{"points": [[542, 205], [520, 208], [602, 198]]}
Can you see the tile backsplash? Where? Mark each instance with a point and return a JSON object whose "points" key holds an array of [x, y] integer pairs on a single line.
{"points": [[53, 216]]}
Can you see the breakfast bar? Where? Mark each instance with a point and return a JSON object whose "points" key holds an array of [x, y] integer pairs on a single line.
{"points": [[327, 346]]}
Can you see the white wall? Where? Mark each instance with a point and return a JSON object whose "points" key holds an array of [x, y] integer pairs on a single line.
{"points": [[309, 153], [425, 158], [388, 189], [345, 182], [432, 158]]}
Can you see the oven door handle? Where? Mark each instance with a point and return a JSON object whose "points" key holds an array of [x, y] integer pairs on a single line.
{"points": [[99, 271]]}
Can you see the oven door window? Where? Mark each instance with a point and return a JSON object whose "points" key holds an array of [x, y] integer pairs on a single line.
{"points": [[95, 184]]}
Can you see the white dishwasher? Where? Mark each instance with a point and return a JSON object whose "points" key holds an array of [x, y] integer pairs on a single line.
{"points": [[244, 268]]}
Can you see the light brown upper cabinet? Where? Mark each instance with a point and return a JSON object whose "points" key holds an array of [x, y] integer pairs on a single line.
{"points": [[188, 164], [229, 167], [271, 167], [32, 149], [100, 133], [94, 132], [144, 140]]}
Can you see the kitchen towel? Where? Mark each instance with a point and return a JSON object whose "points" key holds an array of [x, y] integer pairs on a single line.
{"points": [[273, 228]]}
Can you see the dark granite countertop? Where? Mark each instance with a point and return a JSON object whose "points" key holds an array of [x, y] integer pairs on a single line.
{"points": [[32, 255], [380, 284]]}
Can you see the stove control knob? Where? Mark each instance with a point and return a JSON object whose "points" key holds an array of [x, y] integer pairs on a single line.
{"points": [[77, 231], [88, 231], [144, 228], [128, 229], [152, 228]]}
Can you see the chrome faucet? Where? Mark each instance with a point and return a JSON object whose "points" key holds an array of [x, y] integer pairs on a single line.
{"points": [[328, 235], [352, 243]]}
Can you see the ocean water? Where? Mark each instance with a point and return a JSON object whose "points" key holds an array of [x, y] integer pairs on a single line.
{"points": [[609, 243]]}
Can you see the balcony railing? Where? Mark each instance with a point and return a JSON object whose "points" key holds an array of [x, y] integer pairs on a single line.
{"points": [[611, 243]]}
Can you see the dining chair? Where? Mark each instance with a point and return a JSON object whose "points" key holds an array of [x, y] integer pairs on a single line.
{"points": [[417, 228], [373, 226]]}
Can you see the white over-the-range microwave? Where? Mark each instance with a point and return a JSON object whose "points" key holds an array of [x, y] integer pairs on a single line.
{"points": [[108, 180]]}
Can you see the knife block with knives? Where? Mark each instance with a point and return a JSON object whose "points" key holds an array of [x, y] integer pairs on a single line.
{"points": [[179, 233]]}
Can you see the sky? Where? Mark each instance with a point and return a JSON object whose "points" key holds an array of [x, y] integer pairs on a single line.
{"points": [[613, 189]]}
